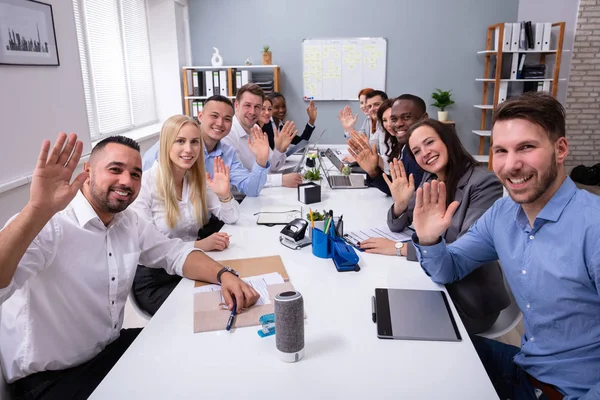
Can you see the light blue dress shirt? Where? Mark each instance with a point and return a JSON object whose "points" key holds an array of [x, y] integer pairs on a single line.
{"points": [[553, 270], [247, 182]]}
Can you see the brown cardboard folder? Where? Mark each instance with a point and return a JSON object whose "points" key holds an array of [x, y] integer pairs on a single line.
{"points": [[208, 315]]}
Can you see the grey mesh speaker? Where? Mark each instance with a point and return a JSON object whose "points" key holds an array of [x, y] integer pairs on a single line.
{"points": [[289, 326]]}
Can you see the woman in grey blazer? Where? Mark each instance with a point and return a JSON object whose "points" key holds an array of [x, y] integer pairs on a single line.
{"points": [[480, 296]]}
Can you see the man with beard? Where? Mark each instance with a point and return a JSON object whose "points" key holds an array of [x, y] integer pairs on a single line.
{"points": [[67, 262], [547, 238], [407, 110]]}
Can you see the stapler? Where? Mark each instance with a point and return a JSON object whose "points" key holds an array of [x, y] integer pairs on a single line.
{"points": [[294, 236]]}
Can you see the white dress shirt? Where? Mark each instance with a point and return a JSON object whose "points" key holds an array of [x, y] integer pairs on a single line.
{"points": [[151, 207], [66, 301], [238, 139]]}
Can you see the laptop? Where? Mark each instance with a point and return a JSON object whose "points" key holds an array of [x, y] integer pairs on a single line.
{"points": [[298, 167], [301, 145], [335, 160], [354, 181]]}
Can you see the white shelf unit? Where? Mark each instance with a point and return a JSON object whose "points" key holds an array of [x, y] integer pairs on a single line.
{"points": [[493, 51]]}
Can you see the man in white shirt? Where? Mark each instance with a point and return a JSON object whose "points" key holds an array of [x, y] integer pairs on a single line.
{"points": [[248, 106], [67, 262]]}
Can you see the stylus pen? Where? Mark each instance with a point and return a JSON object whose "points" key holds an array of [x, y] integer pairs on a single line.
{"points": [[231, 317], [373, 313]]}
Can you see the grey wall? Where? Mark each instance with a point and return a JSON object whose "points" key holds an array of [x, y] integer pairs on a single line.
{"points": [[431, 44]]}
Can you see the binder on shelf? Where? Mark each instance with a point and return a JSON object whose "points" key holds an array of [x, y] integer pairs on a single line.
{"points": [[215, 82], [521, 64], [546, 36], [522, 38], [538, 35], [208, 83], [507, 37], [502, 92], [238, 80], [516, 33], [529, 35], [223, 82], [196, 87], [246, 77], [514, 68]]}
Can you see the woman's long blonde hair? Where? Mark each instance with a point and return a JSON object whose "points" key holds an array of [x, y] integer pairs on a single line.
{"points": [[196, 174]]}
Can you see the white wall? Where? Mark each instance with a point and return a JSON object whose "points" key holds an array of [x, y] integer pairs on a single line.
{"points": [[57, 93], [36, 102], [555, 11]]}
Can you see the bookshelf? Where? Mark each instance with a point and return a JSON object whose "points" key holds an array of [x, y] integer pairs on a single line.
{"points": [[504, 63], [226, 79]]}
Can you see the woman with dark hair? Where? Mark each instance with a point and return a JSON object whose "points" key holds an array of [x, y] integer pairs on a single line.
{"points": [[480, 296]]}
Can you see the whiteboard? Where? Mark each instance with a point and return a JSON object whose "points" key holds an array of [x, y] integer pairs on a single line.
{"points": [[337, 69]]}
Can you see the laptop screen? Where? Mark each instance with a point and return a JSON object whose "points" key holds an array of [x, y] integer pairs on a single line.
{"points": [[334, 159]]}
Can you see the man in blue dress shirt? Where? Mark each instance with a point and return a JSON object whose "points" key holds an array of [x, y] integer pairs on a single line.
{"points": [[215, 123], [547, 238]]}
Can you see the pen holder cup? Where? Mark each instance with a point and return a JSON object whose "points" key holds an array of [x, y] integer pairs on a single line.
{"points": [[321, 226], [321, 245]]}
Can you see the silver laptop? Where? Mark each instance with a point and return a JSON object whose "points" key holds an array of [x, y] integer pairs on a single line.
{"points": [[298, 167], [353, 181]]}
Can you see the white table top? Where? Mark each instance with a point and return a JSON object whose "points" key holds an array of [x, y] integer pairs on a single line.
{"points": [[343, 359]]}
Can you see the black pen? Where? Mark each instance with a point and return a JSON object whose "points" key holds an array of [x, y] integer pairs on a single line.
{"points": [[373, 313], [231, 317]]}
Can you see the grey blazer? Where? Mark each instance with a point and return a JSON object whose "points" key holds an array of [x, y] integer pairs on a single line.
{"points": [[480, 296]]}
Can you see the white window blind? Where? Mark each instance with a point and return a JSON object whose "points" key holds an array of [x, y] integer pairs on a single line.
{"points": [[115, 61]]}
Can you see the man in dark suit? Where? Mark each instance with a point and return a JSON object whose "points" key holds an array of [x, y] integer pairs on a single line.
{"points": [[278, 119]]}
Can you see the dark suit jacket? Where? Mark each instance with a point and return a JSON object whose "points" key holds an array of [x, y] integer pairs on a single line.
{"points": [[410, 166], [481, 295], [268, 129]]}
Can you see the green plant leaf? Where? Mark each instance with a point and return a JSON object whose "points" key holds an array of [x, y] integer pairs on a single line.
{"points": [[442, 99]]}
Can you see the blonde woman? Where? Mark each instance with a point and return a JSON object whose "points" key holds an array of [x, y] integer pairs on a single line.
{"points": [[179, 197]]}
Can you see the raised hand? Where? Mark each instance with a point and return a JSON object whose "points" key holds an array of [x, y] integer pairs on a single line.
{"points": [[347, 119], [218, 241], [401, 187], [365, 155], [311, 110], [219, 183], [284, 138], [431, 218], [51, 187], [258, 142]]}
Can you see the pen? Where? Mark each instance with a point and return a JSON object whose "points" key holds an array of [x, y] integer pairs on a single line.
{"points": [[338, 227], [373, 313], [231, 317], [312, 220]]}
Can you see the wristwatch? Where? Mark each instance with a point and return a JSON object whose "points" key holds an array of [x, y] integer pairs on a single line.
{"points": [[398, 246], [226, 269]]}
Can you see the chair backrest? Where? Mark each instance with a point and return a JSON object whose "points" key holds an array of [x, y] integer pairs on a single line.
{"points": [[138, 310], [507, 320]]}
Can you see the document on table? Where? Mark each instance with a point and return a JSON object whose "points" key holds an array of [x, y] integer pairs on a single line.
{"points": [[358, 236], [278, 215], [258, 282]]}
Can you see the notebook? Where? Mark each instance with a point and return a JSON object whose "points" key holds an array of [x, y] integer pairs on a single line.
{"points": [[278, 215], [414, 315]]}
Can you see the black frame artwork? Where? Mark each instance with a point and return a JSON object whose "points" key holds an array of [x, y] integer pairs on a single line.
{"points": [[27, 34]]}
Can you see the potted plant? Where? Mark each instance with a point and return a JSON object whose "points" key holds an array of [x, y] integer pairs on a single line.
{"points": [[442, 100], [313, 174], [266, 55]]}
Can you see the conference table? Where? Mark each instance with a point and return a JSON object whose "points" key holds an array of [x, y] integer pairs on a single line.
{"points": [[343, 356]]}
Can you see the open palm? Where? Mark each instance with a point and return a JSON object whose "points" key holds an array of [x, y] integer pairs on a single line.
{"points": [[219, 183], [431, 218], [347, 119], [401, 187], [51, 187], [365, 155], [258, 142], [284, 137]]}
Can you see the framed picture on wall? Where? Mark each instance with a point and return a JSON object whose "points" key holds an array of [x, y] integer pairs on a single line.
{"points": [[27, 34]]}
